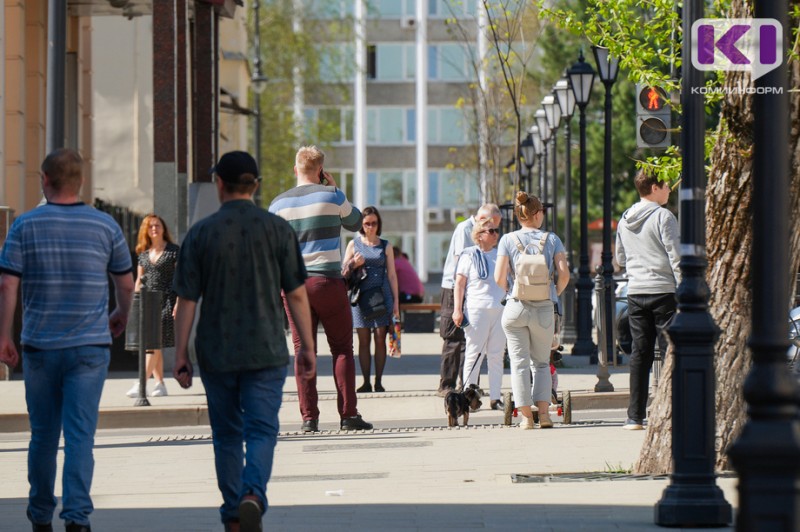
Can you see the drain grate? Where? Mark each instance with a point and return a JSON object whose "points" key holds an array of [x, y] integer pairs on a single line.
{"points": [[365, 446], [328, 478], [179, 439], [592, 477]]}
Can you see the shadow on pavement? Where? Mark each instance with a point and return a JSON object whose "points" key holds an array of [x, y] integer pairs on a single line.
{"points": [[352, 517]]}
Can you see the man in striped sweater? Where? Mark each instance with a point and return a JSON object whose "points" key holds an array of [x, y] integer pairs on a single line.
{"points": [[317, 210]]}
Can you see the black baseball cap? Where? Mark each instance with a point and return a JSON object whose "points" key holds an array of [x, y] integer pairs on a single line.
{"points": [[234, 165]]}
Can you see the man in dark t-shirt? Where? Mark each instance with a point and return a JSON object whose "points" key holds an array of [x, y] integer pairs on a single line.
{"points": [[238, 260]]}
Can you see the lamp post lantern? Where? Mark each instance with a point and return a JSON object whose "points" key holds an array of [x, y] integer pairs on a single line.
{"points": [[693, 498], [258, 83], [608, 67], [581, 79], [528, 153], [539, 149], [544, 134]]}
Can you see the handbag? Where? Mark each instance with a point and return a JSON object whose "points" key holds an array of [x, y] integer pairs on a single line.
{"points": [[353, 280], [371, 303], [394, 338]]}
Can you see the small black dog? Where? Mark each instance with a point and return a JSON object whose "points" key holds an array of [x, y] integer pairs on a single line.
{"points": [[457, 404]]}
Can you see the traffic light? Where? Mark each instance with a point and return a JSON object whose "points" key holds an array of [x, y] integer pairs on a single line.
{"points": [[653, 117]]}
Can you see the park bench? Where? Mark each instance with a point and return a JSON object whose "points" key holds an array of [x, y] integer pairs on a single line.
{"points": [[419, 317]]}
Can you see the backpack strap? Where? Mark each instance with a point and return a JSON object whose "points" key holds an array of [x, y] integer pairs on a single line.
{"points": [[542, 242], [519, 245]]}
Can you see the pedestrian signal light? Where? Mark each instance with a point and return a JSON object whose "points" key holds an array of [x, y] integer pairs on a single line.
{"points": [[653, 117]]}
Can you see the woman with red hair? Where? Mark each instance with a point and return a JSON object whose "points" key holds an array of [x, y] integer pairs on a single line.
{"points": [[157, 257]]}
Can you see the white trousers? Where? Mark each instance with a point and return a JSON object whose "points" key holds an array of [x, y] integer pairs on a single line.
{"points": [[485, 337]]}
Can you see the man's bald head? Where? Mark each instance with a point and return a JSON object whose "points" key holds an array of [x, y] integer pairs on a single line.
{"points": [[490, 211]]}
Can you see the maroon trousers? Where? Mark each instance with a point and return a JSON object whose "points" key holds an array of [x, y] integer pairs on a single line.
{"points": [[331, 307]]}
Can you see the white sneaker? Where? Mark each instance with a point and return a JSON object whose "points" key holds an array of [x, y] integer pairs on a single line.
{"points": [[134, 391], [159, 390], [526, 423]]}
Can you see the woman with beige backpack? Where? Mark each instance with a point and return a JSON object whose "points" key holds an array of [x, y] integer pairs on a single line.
{"points": [[534, 258]]}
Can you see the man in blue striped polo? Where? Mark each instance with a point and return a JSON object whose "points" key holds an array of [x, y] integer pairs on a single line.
{"points": [[62, 253], [317, 210]]}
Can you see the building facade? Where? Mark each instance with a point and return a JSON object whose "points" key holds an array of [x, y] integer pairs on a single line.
{"points": [[406, 144]]}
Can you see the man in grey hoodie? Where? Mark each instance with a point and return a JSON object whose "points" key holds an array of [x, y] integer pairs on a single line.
{"points": [[647, 246]]}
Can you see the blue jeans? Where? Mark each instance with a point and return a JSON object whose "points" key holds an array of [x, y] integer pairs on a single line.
{"points": [[62, 388], [243, 409]]}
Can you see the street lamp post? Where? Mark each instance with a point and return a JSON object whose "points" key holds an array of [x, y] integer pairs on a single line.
{"points": [[767, 454], [538, 149], [608, 67], [528, 152], [566, 103], [581, 79], [258, 83], [544, 133], [553, 113], [693, 498]]}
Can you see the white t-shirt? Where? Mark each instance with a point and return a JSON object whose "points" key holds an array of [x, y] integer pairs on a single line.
{"points": [[481, 293]]}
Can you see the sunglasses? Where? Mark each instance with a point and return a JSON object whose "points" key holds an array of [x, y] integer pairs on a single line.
{"points": [[370, 224], [492, 231]]}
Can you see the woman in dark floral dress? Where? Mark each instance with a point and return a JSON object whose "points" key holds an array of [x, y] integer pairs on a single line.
{"points": [[374, 254], [157, 257]]}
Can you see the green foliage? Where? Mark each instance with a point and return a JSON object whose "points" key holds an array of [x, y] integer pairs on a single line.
{"points": [[619, 469], [646, 36]]}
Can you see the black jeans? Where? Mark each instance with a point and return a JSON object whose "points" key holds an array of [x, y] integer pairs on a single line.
{"points": [[648, 314], [454, 344]]}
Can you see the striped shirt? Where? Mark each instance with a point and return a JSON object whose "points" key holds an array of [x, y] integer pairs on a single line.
{"points": [[63, 254], [317, 214]]}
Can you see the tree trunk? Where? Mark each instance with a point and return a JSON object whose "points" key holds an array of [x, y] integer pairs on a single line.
{"points": [[729, 246]]}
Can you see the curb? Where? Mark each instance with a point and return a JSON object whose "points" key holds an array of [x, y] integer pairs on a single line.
{"points": [[197, 415]]}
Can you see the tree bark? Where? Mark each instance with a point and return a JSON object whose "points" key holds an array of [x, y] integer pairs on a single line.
{"points": [[729, 247]]}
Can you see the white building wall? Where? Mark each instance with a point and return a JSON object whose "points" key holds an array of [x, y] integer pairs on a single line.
{"points": [[122, 86]]}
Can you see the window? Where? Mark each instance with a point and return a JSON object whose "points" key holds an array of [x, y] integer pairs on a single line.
{"points": [[452, 8], [336, 62], [405, 241], [345, 181], [391, 62], [372, 62], [390, 125], [411, 125], [449, 62], [391, 8], [452, 189], [329, 124], [392, 188], [438, 244], [328, 9], [447, 125], [454, 62]]}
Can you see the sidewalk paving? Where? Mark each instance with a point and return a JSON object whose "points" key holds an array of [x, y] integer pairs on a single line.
{"points": [[410, 473]]}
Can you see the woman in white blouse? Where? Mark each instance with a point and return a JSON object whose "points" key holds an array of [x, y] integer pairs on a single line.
{"points": [[479, 314]]}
